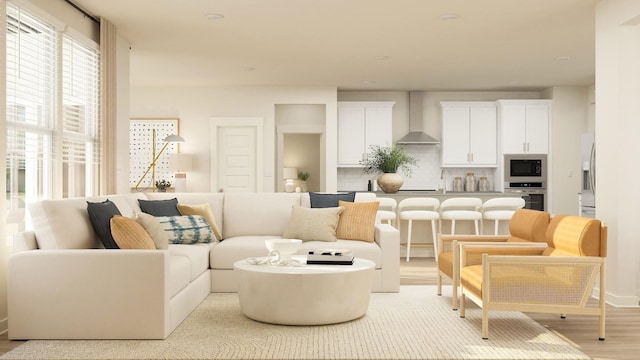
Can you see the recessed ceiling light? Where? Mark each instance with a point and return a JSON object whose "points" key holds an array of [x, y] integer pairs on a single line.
{"points": [[382, 58], [215, 16], [368, 82], [447, 17], [248, 68], [563, 58], [514, 82]]}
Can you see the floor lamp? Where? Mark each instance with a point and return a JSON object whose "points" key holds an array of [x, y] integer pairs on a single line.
{"points": [[155, 156]]}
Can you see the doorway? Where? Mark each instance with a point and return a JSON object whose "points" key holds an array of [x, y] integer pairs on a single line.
{"points": [[301, 143]]}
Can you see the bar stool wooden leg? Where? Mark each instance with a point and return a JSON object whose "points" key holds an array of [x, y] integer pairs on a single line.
{"points": [[435, 240], [409, 239]]}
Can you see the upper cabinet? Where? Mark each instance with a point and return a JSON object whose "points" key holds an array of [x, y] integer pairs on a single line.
{"points": [[525, 126], [360, 125], [469, 134]]}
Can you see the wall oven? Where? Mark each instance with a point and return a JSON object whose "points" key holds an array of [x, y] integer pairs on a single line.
{"points": [[526, 175]]}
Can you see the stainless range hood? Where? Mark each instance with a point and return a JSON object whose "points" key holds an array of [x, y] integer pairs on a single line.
{"points": [[416, 136]]}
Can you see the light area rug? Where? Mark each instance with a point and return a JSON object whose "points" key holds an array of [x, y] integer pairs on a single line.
{"points": [[412, 324]]}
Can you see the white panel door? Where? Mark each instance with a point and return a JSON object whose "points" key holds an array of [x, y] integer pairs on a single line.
{"points": [[484, 136], [237, 159], [537, 129], [378, 126], [513, 129], [455, 135], [351, 134], [236, 154]]}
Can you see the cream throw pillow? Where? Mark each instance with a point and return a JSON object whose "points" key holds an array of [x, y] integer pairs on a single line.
{"points": [[358, 220], [155, 230], [309, 224], [203, 210], [128, 234]]}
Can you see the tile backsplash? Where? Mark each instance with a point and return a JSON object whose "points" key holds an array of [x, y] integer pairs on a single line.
{"points": [[425, 176]]}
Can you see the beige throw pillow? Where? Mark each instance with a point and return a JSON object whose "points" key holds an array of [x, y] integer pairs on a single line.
{"points": [[151, 224], [203, 210], [128, 234], [357, 221], [309, 224]]}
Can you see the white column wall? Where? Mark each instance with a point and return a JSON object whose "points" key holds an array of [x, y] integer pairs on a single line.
{"points": [[617, 129]]}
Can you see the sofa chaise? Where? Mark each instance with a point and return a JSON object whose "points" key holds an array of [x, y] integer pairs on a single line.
{"points": [[63, 285]]}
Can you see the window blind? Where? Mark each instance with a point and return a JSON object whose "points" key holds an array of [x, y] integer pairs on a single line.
{"points": [[80, 74], [31, 58]]}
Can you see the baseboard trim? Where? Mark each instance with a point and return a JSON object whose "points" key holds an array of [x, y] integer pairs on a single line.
{"points": [[4, 325], [622, 301]]}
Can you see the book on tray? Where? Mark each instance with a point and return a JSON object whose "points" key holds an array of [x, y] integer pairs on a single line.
{"points": [[330, 257]]}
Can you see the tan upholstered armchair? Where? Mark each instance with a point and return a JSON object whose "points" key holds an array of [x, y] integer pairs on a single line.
{"points": [[559, 279], [526, 227]]}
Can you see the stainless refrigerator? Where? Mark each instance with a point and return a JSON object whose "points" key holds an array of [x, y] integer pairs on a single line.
{"points": [[587, 196]]}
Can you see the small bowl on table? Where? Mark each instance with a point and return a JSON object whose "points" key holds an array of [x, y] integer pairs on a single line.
{"points": [[284, 247]]}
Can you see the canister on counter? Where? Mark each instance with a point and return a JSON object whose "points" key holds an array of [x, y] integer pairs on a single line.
{"points": [[458, 185], [470, 183], [483, 184]]}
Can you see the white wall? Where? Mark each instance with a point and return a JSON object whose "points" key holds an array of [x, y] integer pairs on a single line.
{"points": [[568, 122], [195, 106], [617, 129]]}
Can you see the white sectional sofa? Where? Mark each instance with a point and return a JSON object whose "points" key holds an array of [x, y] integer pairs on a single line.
{"points": [[63, 285]]}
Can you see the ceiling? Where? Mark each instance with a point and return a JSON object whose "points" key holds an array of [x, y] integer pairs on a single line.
{"points": [[398, 45]]}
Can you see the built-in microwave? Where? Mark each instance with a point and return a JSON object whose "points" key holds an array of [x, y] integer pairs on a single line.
{"points": [[525, 171]]}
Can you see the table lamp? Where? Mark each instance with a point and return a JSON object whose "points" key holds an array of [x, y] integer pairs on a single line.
{"points": [[289, 174], [180, 163]]}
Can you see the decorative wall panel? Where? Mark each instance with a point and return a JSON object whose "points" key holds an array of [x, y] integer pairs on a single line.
{"points": [[141, 149]]}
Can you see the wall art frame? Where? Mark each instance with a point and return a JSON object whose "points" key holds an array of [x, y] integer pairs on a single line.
{"points": [[141, 149]]}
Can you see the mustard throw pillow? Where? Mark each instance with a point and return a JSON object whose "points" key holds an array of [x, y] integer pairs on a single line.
{"points": [[128, 234], [357, 221], [309, 224], [203, 210]]}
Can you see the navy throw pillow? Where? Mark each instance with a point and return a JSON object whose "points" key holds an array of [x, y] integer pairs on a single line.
{"points": [[319, 200], [100, 215], [160, 207]]}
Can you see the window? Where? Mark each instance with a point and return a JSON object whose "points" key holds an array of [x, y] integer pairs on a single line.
{"points": [[52, 135], [80, 145]]}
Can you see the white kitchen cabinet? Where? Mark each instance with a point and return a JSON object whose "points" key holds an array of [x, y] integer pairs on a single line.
{"points": [[469, 134], [525, 126], [360, 125]]}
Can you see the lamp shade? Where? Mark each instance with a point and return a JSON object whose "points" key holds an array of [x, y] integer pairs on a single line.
{"points": [[180, 162], [290, 173], [174, 138]]}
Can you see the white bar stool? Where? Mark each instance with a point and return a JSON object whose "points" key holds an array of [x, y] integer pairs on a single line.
{"points": [[387, 210], [414, 209], [461, 209], [497, 209]]}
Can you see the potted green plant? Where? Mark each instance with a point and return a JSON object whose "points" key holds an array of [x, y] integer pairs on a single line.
{"points": [[162, 185], [387, 161], [303, 176]]}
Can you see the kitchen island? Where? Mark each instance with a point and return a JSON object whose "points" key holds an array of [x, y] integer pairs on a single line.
{"points": [[422, 240]]}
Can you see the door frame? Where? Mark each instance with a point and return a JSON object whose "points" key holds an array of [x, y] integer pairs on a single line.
{"points": [[221, 122], [283, 130]]}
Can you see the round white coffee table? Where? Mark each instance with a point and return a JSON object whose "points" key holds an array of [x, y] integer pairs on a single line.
{"points": [[305, 295]]}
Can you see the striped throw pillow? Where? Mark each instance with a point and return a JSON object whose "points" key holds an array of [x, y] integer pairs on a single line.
{"points": [[189, 229]]}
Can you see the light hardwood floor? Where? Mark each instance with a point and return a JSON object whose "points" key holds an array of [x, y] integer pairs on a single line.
{"points": [[623, 324]]}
